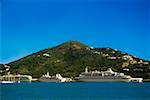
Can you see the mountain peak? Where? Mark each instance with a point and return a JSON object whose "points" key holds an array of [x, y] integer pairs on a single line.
{"points": [[72, 44]]}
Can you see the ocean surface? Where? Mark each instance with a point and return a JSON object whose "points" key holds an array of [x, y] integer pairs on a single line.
{"points": [[75, 91]]}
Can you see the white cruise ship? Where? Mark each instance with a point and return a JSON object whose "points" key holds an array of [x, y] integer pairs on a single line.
{"points": [[105, 76]]}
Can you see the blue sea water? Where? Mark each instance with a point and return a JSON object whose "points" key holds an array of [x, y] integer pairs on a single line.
{"points": [[75, 91]]}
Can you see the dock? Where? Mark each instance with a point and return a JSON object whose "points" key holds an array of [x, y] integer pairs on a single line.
{"points": [[15, 78]]}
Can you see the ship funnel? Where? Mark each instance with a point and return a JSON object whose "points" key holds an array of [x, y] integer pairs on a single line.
{"points": [[47, 73], [59, 76], [86, 70], [110, 70]]}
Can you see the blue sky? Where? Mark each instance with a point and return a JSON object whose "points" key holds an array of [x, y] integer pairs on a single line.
{"points": [[28, 26]]}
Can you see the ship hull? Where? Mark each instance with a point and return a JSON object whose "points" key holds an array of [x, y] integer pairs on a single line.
{"points": [[48, 80], [104, 80]]}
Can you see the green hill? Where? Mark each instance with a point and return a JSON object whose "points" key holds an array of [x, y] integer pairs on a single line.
{"points": [[70, 58]]}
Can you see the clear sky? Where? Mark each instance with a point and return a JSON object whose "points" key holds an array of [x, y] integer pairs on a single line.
{"points": [[28, 26]]}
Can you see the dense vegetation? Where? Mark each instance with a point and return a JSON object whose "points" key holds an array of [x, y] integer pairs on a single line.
{"points": [[70, 59]]}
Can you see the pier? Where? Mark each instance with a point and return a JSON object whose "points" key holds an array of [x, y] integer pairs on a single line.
{"points": [[16, 78], [10, 78]]}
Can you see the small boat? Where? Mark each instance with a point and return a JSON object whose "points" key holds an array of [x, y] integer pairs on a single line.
{"points": [[7, 82]]}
